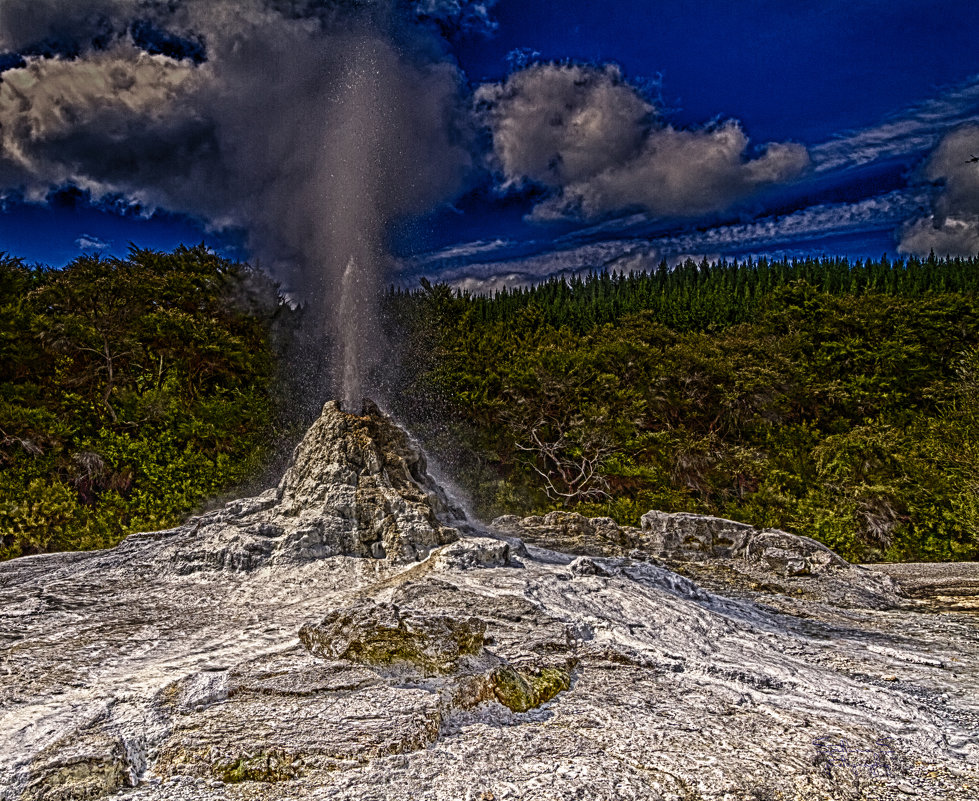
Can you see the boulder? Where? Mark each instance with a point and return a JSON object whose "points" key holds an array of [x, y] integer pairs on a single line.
{"points": [[382, 634], [682, 536], [91, 765]]}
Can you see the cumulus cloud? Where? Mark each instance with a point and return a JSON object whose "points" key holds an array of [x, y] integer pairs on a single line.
{"points": [[592, 139], [312, 124], [952, 228], [93, 121]]}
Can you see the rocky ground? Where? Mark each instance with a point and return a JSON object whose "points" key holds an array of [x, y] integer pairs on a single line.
{"points": [[349, 635]]}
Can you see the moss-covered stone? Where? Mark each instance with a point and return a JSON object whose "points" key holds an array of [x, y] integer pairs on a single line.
{"points": [[271, 766], [86, 767], [383, 634], [522, 691]]}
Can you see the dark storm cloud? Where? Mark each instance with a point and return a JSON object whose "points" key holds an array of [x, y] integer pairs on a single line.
{"points": [[599, 145], [27, 23]]}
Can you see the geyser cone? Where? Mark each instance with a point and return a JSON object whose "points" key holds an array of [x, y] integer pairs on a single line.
{"points": [[357, 486]]}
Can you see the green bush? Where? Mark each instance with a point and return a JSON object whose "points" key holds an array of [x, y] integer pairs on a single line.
{"points": [[132, 391]]}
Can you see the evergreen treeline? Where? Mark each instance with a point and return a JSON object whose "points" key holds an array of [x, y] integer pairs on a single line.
{"points": [[832, 399], [131, 390], [712, 295]]}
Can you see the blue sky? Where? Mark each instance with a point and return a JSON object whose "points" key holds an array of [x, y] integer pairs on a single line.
{"points": [[832, 127]]}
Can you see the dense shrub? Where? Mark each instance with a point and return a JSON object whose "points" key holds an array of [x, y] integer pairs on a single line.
{"points": [[131, 390]]}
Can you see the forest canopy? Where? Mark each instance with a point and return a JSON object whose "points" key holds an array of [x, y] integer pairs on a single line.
{"points": [[832, 399]]}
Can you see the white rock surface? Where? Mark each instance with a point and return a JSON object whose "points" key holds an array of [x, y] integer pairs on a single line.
{"points": [[172, 666]]}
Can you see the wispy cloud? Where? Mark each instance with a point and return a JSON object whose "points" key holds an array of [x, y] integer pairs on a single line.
{"points": [[465, 252], [916, 129], [767, 235], [90, 242]]}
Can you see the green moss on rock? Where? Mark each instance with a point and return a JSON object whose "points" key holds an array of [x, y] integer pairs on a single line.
{"points": [[521, 691], [383, 634], [88, 767], [270, 766]]}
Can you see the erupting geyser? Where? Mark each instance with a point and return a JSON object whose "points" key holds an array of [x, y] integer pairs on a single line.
{"points": [[351, 310], [313, 126], [373, 181]]}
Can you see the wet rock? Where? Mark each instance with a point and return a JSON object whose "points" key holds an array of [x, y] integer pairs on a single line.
{"points": [[471, 553], [683, 536], [585, 566], [688, 536], [521, 692], [724, 555], [357, 486], [571, 532]]}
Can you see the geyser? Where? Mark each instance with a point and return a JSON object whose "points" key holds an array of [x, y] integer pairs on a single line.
{"points": [[313, 126], [348, 635], [352, 307]]}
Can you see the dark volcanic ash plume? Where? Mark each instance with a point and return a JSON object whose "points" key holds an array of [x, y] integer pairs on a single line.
{"points": [[313, 124]]}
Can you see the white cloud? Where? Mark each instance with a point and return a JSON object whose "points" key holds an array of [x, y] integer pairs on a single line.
{"points": [[952, 227], [951, 236], [591, 138], [471, 15], [560, 124], [912, 130], [113, 96], [310, 126], [466, 251], [90, 242]]}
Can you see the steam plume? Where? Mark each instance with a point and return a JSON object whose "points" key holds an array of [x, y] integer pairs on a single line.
{"points": [[313, 124]]}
